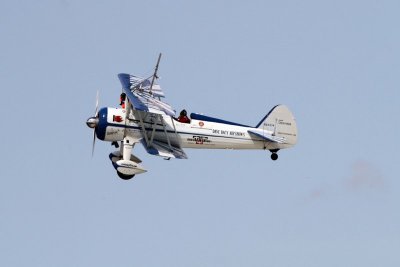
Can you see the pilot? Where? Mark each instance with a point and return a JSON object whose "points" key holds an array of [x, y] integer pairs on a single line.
{"points": [[122, 100], [183, 117]]}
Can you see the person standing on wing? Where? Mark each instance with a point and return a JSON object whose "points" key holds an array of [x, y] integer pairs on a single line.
{"points": [[122, 100]]}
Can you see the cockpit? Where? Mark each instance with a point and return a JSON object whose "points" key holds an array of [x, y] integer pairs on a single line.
{"points": [[183, 118]]}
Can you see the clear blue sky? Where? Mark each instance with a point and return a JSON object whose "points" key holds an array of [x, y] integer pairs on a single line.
{"points": [[333, 200]]}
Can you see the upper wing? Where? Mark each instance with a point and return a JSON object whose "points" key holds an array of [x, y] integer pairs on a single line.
{"points": [[146, 99], [138, 92]]}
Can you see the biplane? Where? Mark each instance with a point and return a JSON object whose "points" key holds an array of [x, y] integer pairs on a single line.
{"points": [[144, 117]]}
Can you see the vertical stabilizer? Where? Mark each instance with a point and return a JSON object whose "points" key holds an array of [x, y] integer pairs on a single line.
{"points": [[280, 122]]}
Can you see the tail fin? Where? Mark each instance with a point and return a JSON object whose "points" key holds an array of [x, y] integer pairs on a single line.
{"points": [[280, 122]]}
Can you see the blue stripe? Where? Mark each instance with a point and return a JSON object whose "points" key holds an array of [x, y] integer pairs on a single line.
{"points": [[200, 117], [266, 116]]}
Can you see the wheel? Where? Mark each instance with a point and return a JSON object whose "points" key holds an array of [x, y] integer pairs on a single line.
{"points": [[124, 177], [274, 156]]}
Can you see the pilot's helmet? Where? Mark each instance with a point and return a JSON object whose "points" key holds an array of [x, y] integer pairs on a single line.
{"points": [[183, 113], [123, 96]]}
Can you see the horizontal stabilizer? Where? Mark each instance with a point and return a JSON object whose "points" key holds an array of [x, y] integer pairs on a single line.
{"points": [[164, 150], [267, 137]]}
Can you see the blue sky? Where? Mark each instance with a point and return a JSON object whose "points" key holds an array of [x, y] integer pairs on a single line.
{"points": [[333, 200]]}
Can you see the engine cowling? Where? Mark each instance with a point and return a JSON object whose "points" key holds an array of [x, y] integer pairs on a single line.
{"points": [[111, 124]]}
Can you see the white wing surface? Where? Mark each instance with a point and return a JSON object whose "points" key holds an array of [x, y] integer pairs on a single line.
{"points": [[142, 97], [164, 150]]}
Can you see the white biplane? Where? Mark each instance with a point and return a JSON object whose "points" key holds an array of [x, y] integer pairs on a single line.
{"points": [[145, 118]]}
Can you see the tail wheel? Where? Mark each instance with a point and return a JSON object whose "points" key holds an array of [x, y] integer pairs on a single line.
{"points": [[274, 156], [124, 177]]}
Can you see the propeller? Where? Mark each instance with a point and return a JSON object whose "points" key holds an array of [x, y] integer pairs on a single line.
{"points": [[93, 121], [97, 104]]}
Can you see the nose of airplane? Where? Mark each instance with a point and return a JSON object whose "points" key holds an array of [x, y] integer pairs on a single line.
{"points": [[92, 122]]}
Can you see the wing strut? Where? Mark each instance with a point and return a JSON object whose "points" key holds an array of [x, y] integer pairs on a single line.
{"points": [[164, 125], [165, 131], [143, 128], [150, 142], [155, 74], [176, 133], [152, 133]]}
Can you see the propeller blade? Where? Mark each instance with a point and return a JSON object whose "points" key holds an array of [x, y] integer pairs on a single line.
{"points": [[97, 104], [94, 142], [96, 111]]}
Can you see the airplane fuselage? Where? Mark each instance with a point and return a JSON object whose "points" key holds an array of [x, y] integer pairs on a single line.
{"points": [[201, 132]]}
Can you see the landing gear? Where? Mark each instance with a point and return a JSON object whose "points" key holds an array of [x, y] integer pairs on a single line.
{"points": [[125, 177], [115, 144], [274, 155]]}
